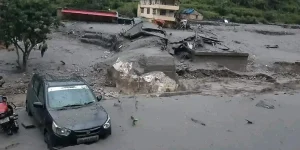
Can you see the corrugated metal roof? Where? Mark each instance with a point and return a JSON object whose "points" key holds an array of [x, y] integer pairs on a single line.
{"points": [[93, 13], [188, 11]]}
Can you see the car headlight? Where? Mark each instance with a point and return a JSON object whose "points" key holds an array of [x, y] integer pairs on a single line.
{"points": [[59, 130], [107, 123]]}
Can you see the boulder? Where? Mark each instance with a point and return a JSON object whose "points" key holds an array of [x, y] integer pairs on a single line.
{"points": [[129, 81]]}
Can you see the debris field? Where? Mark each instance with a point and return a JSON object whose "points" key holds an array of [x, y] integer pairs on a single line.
{"points": [[144, 59]]}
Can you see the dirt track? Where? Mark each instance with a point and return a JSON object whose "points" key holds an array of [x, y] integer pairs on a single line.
{"points": [[79, 58]]}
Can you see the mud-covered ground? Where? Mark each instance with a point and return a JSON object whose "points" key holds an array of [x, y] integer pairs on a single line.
{"points": [[79, 58], [190, 122]]}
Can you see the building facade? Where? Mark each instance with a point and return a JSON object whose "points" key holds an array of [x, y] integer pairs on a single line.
{"points": [[158, 9]]}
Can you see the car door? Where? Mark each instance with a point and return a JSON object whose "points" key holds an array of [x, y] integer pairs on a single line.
{"points": [[31, 92], [41, 98], [34, 98]]}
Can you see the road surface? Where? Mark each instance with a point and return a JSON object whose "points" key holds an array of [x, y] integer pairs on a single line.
{"points": [[166, 124]]}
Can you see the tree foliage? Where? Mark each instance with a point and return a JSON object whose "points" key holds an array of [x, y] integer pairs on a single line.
{"points": [[248, 11], [24, 24], [124, 7]]}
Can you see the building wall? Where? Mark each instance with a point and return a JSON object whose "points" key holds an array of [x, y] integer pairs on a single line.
{"points": [[191, 16], [153, 13], [157, 9], [160, 2]]}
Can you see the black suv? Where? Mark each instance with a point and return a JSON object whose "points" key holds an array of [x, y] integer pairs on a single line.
{"points": [[67, 110]]}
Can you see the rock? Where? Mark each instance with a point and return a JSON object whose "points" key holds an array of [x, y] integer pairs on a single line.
{"points": [[129, 82], [143, 71], [249, 122], [264, 104]]}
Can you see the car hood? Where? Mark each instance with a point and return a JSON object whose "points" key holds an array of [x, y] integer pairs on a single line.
{"points": [[80, 118]]}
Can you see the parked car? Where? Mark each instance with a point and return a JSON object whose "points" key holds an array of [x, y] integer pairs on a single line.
{"points": [[67, 110]]}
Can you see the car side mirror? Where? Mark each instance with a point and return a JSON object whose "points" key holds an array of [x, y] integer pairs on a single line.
{"points": [[38, 105], [99, 98]]}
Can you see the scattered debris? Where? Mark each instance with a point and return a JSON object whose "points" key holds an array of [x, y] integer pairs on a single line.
{"points": [[197, 121], [184, 25], [134, 120], [226, 21], [273, 32], [249, 122], [228, 101], [11, 146], [28, 125], [186, 72], [237, 42], [62, 62], [117, 105], [190, 46], [264, 104], [271, 46]]}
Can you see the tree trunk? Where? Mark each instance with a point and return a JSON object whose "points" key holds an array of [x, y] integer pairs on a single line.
{"points": [[18, 56], [24, 61]]}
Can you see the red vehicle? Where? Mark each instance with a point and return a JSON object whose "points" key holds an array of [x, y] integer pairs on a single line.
{"points": [[8, 119]]}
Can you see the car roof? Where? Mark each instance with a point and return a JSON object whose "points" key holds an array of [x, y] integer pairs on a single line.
{"points": [[54, 80]]}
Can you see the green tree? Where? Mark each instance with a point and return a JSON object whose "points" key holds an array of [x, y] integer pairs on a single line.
{"points": [[24, 24]]}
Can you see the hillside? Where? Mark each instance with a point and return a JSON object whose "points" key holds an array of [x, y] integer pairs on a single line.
{"points": [[243, 11], [248, 11]]}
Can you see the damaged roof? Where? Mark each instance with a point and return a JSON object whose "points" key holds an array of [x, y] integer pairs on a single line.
{"points": [[144, 28]]}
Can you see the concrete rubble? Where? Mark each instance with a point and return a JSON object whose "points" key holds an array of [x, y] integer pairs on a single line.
{"points": [[145, 51], [265, 104], [146, 58]]}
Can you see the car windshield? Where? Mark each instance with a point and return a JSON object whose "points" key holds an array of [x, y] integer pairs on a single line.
{"points": [[69, 96]]}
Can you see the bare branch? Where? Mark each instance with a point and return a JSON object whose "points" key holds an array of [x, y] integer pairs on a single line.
{"points": [[17, 45], [30, 48]]}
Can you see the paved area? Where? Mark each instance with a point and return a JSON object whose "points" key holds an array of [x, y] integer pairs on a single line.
{"points": [[166, 124]]}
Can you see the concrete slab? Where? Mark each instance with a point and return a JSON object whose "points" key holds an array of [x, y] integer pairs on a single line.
{"points": [[28, 125], [233, 61]]}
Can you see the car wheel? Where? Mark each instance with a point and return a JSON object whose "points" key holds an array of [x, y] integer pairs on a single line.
{"points": [[16, 127], [109, 131], [48, 141], [9, 132], [28, 109]]}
